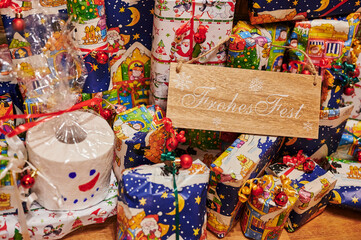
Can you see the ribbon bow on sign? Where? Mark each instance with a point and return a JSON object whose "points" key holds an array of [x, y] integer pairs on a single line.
{"points": [[300, 162]]}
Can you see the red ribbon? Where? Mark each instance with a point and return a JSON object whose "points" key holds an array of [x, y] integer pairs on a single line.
{"points": [[11, 4], [47, 116], [95, 50], [295, 162]]}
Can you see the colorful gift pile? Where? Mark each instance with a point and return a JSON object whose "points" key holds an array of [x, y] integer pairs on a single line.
{"points": [[250, 47], [245, 158], [269, 201], [148, 207], [129, 36], [313, 184], [347, 191], [349, 146], [140, 136], [90, 32], [184, 30], [265, 11]]}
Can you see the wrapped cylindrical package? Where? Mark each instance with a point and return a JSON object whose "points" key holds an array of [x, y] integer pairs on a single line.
{"points": [[130, 25], [75, 152], [184, 30]]}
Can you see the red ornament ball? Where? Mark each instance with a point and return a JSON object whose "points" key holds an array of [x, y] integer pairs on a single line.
{"points": [[349, 90], [356, 72], [306, 72], [186, 161], [107, 114], [101, 57], [257, 190], [359, 156], [18, 24], [281, 199], [309, 166], [27, 181]]}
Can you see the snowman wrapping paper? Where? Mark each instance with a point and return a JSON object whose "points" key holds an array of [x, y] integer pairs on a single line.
{"points": [[245, 158], [183, 30], [314, 190], [129, 36], [146, 203]]}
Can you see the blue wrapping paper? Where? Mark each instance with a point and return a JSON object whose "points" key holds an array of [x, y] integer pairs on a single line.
{"points": [[314, 190], [331, 125], [266, 11], [146, 208], [130, 25], [245, 158], [347, 191]]}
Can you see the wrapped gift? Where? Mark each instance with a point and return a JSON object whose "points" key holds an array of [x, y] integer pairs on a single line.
{"points": [[246, 158], [265, 11], [184, 30], [140, 138], [313, 184], [347, 191], [331, 125], [129, 36], [90, 32], [46, 224], [350, 145], [5, 60], [269, 201], [147, 208], [327, 42]]}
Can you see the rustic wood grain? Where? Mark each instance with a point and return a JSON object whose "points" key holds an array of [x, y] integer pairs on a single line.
{"points": [[285, 93], [334, 223]]}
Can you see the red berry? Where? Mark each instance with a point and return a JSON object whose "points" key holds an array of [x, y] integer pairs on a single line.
{"points": [[186, 161]]}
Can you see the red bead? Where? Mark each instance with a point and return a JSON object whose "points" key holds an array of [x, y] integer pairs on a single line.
{"points": [[18, 24], [281, 199], [107, 114], [186, 161], [349, 90], [257, 190], [309, 166], [101, 57], [306, 72], [27, 181]]}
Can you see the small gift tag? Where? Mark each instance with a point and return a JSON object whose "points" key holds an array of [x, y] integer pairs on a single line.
{"points": [[245, 101]]}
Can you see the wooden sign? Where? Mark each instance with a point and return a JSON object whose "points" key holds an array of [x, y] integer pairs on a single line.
{"points": [[244, 101]]}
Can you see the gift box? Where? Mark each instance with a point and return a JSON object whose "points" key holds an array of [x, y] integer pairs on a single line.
{"points": [[147, 208], [184, 30], [130, 26], [46, 224], [264, 11], [269, 201], [349, 145], [347, 192], [90, 32], [314, 187], [327, 42], [331, 125], [140, 138], [246, 158]]}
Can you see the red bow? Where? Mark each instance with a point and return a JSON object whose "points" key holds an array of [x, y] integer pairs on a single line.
{"points": [[175, 137], [47, 116], [297, 161]]}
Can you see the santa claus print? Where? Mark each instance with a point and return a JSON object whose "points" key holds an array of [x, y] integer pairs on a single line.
{"points": [[181, 45], [116, 40], [150, 228]]}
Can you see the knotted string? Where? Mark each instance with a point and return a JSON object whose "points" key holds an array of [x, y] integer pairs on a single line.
{"points": [[312, 66]]}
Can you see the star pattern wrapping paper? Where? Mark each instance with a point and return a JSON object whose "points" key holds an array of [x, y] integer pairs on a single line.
{"points": [[130, 25], [314, 190], [267, 11], [146, 203], [245, 158]]}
